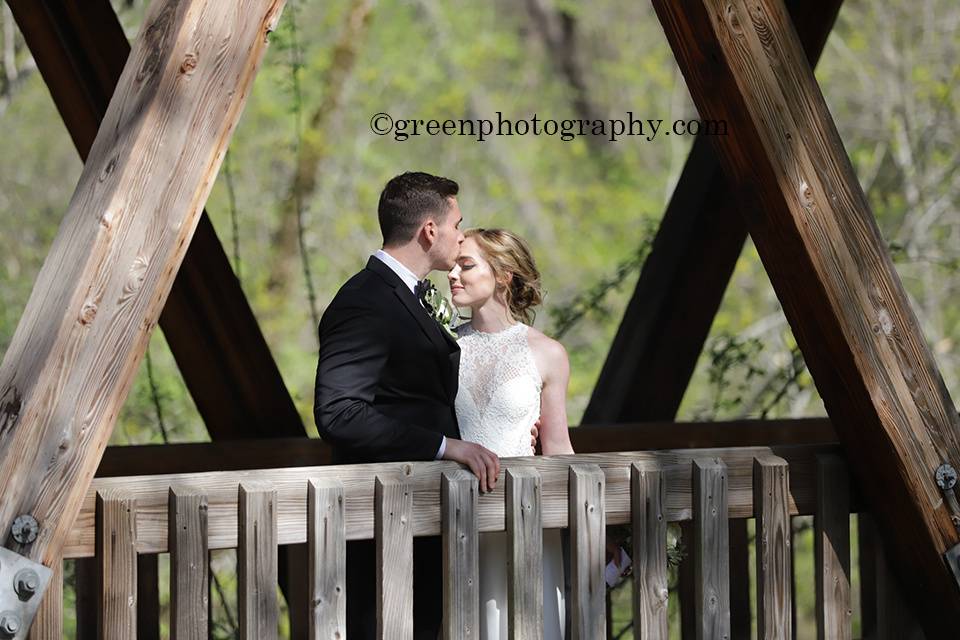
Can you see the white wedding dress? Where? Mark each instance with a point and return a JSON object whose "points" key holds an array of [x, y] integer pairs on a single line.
{"points": [[498, 401]]}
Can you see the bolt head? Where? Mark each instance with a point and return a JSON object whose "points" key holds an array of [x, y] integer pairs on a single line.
{"points": [[9, 623], [25, 529], [946, 477], [26, 583]]}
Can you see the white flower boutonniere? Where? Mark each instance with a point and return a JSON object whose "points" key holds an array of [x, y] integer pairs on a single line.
{"points": [[437, 306]]}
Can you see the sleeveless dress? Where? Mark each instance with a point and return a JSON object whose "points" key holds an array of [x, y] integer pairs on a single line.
{"points": [[497, 403]]}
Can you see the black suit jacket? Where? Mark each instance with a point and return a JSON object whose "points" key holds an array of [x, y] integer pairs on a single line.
{"points": [[387, 373]]}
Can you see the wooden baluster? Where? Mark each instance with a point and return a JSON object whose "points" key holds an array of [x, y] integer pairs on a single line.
{"points": [[832, 549], [711, 549], [524, 522], [259, 611], [117, 562], [189, 566], [588, 529], [327, 549], [461, 564], [648, 490], [771, 503], [394, 535], [48, 622]]}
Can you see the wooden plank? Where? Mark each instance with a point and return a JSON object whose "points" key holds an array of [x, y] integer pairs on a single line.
{"points": [[100, 291], [833, 275], [461, 559], [524, 554], [394, 540], [424, 478], [683, 280], [832, 550], [771, 488], [327, 549], [711, 549], [80, 49], [741, 616], [48, 622], [189, 566], [87, 592], [238, 455], [117, 564], [651, 591], [588, 535], [148, 597], [257, 561]]}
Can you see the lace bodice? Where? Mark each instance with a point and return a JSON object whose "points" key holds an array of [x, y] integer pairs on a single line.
{"points": [[499, 396]]}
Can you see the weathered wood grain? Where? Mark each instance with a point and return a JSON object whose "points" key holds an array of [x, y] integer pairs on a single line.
{"points": [[258, 609], [524, 554], [832, 550], [117, 564], [711, 549], [48, 622], [394, 541], [189, 567], [650, 579], [101, 289], [833, 274], [771, 486], [588, 535], [327, 548], [424, 478], [461, 561]]}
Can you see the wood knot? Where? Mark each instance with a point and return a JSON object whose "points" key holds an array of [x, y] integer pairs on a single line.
{"points": [[88, 312], [884, 322], [189, 64], [805, 193], [732, 19]]}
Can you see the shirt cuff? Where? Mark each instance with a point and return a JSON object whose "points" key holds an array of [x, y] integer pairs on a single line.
{"points": [[443, 448]]}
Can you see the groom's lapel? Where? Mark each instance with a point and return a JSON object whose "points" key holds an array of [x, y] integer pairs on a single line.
{"points": [[430, 327]]}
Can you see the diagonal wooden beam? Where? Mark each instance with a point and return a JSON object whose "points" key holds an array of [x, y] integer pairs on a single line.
{"points": [[80, 49], [827, 261], [681, 285], [112, 264]]}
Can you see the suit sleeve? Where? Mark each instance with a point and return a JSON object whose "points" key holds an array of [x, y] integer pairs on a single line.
{"points": [[354, 348]]}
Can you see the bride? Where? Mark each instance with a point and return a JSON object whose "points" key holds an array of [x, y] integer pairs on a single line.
{"points": [[510, 374]]}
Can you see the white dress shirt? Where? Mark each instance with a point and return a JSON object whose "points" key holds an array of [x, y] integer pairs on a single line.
{"points": [[410, 279]]}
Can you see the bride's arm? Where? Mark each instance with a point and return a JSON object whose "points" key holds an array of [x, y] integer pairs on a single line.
{"points": [[554, 431]]}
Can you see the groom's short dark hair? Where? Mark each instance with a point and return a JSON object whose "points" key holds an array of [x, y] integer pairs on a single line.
{"points": [[406, 202]]}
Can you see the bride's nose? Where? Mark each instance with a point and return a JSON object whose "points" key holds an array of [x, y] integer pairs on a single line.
{"points": [[454, 274]]}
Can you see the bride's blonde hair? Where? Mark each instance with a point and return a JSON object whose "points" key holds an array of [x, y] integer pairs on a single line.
{"points": [[508, 253]]}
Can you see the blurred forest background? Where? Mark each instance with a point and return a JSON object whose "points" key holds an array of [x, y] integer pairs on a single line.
{"points": [[295, 202]]}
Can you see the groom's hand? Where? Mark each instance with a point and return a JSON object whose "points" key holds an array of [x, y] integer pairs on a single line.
{"points": [[534, 434], [482, 462]]}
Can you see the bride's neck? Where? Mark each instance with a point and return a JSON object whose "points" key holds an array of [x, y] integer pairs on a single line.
{"points": [[491, 316]]}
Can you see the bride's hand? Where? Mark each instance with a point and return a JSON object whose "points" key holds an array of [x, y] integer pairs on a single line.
{"points": [[534, 434], [482, 462]]}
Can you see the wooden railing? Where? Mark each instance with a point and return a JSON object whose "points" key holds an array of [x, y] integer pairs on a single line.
{"points": [[254, 512]]}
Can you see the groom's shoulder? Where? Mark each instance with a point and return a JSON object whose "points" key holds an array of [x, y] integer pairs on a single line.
{"points": [[363, 288]]}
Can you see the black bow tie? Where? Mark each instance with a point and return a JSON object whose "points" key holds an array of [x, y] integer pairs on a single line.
{"points": [[420, 290]]}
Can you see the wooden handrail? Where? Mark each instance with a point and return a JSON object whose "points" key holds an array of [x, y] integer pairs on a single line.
{"points": [[424, 479]]}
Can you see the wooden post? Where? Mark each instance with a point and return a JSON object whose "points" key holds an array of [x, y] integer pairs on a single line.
{"points": [[832, 550], [461, 560], [117, 564], [189, 566], [100, 292], [394, 534], [833, 275], [711, 550], [48, 623], [648, 490], [257, 561], [588, 534], [327, 544], [524, 554], [771, 502]]}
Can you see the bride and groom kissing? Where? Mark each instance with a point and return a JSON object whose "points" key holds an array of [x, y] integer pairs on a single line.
{"points": [[394, 383]]}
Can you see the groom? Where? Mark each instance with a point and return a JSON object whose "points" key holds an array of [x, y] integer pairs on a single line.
{"points": [[387, 378]]}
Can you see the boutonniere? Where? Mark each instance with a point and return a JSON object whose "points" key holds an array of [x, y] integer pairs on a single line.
{"points": [[437, 306]]}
